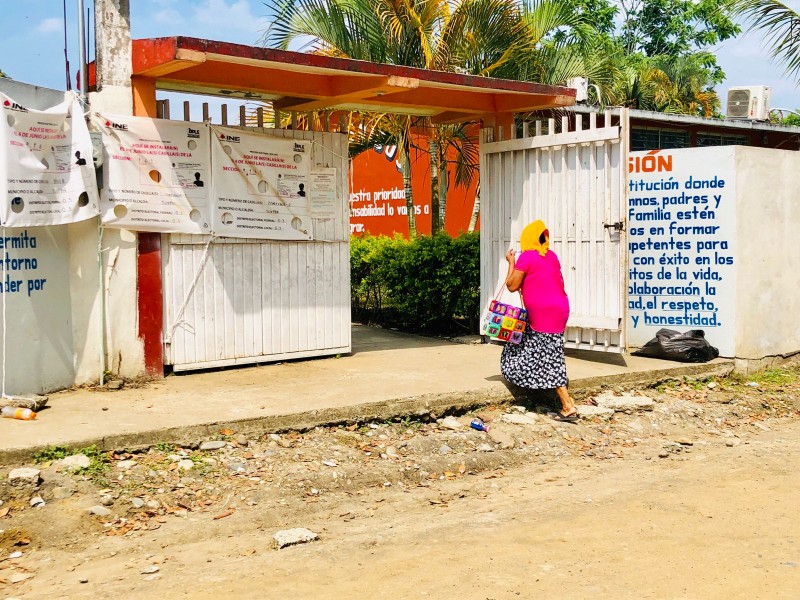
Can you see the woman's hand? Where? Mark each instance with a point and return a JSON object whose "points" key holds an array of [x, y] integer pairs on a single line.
{"points": [[511, 256]]}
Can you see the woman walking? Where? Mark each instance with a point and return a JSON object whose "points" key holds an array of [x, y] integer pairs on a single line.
{"points": [[538, 361]]}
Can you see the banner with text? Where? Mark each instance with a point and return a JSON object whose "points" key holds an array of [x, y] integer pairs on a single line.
{"points": [[260, 185], [46, 168], [682, 234], [156, 174]]}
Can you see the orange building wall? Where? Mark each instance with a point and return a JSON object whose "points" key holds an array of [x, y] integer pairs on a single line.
{"points": [[377, 202]]}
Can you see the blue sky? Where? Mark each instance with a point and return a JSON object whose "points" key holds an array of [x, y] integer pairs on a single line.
{"points": [[32, 39]]}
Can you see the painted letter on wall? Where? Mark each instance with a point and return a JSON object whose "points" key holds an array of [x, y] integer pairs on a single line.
{"points": [[682, 234]]}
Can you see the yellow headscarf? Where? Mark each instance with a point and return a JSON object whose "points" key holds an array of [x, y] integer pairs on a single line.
{"points": [[529, 240]]}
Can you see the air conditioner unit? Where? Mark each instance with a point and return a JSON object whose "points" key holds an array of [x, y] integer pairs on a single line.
{"points": [[749, 102], [581, 87]]}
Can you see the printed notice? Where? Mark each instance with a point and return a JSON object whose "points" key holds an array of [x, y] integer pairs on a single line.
{"points": [[46, 167], [324, 197], [260, 185], [156, 174], [682, 227]]}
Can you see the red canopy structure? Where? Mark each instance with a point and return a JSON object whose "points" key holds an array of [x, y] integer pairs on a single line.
{"points": [[294, 81]]}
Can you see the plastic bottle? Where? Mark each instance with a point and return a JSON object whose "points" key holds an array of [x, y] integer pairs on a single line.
{"points": [[479, 425], [24, 414]]}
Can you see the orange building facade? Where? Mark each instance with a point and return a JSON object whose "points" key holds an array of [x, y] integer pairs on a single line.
{"points": [[377, 199]]}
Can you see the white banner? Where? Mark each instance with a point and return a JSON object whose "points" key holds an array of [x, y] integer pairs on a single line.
{"points": [[46, 168], [156, 174], [260, 185]]}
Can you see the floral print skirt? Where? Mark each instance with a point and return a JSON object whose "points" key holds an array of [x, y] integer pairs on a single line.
{"points": [[537, 362]]}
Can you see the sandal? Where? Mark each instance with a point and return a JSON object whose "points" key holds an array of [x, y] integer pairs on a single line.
{"points": [[570, 418]]}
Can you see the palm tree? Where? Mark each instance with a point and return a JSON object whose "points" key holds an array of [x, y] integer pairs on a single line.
{"points": [[400, 32], [453, 146], [781, 26], [669, 84], [533, 40]]}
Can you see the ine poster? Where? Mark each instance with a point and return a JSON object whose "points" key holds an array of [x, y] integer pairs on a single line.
{"points": [[682, 228], [156, 174], [260, 185], [46, 168]]}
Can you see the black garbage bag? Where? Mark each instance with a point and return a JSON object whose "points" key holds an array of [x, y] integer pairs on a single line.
{"points": [[684, 347]]}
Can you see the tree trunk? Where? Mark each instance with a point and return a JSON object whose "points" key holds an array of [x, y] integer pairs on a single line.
{"points": [[443, 185], [436, 224], [406, 168], [476, 209]]}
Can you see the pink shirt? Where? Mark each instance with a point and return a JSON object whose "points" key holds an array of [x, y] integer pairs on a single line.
{"points": [[543, 291]]}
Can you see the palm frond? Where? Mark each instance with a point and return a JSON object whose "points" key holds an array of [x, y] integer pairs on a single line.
{"points": [[781, 26]]}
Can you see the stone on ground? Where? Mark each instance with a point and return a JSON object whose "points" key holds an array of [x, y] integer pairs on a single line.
{"points": [[24, 477], [624, 403], [586, 411], [62, 493], [100, 511], [213, 445], [291, 537], [502, 438], [520, 419], [452, 423], [75, 462]]}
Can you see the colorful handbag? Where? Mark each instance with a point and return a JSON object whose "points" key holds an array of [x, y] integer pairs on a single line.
{"points": [[505, 322]]}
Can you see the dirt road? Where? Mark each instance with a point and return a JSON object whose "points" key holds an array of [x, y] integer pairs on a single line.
{"points": [[715, 518]]}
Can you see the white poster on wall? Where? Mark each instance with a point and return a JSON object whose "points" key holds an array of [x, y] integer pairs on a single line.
{"points": [[46, 169], [155, 174], [682, 234], [260, 185], [324, 196]]}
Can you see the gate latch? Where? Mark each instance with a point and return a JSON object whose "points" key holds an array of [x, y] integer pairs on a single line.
{"points": [[618, 226]]}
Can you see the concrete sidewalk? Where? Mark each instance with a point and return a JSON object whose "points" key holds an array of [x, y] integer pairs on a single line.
{"points": [[388, 374]]}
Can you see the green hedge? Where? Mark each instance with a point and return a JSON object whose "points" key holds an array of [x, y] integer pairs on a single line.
{"points": [[430, 283]]}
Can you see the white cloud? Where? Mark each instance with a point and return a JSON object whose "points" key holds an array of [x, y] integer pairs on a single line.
{"points": [[238, 21], [50, 25], [229, 16], [167, 15], [746, 61]]}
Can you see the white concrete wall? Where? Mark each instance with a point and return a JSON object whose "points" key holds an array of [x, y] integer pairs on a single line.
{"points": [[768, 256], [123, 350], [32, 96], [36, 310], [54, 336]]}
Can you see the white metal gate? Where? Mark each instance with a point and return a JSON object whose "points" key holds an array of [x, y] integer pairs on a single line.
{"points": [[571, 174], [235, 301]]}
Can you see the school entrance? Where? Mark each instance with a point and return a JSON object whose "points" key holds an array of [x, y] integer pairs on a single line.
{"points": [[571, 173]]}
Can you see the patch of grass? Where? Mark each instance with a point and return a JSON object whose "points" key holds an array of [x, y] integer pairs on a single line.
{"points": [[165, 447], [99, 463], [411, 423], [776, 377], [50, 454], [686, 382]]}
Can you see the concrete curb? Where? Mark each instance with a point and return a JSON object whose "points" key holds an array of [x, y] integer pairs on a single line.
{"points": [[460, 401]]}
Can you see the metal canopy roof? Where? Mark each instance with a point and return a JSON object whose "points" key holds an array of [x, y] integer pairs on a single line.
{"points": [[295, 81]]}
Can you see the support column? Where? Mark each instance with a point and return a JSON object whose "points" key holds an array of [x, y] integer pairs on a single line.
{"points": [[150, 284], [133, 262], [114, 52]]}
